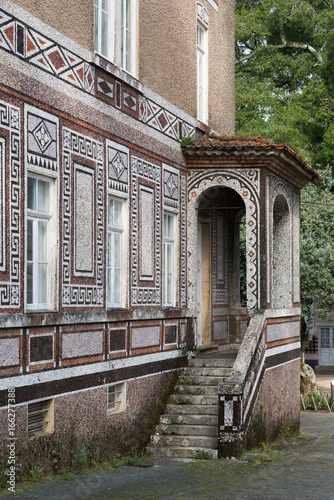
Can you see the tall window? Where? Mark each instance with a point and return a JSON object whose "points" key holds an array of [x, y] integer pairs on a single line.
{"points": [[201, 74], [39, 242], [104, 28], [115, 252], [128, 35], [168, 260], [116, 19]]}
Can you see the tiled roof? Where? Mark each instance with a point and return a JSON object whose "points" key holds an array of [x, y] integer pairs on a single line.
{"points": [[246, 143]]}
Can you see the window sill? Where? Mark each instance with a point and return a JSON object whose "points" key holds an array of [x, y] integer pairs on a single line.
{"points": [[117, 72], [202, 126]]}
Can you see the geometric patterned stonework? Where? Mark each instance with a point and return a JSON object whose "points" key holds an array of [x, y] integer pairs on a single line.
{"points": [[246, 183], [79, 294], [42, 139], [129, 101], [161, 119], [219, 251], [183, 241], [171, 187], [146, 192], [117, 163], [296, 246], [10, 187], [36, 49]]}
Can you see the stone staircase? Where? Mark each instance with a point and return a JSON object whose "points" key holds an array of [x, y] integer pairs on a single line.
{"points": [[189, 428]]}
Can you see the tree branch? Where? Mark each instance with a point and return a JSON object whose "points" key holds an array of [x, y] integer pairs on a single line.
{"points": [[285, 44]]}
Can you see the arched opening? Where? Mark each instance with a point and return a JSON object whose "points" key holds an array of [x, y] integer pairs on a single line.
{"points": [[281, 260], [221, 304]]}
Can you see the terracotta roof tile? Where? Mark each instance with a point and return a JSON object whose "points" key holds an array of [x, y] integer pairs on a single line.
{"points": [[235, 142]]}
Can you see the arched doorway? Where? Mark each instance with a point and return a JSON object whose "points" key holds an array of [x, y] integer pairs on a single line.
{"points": [[219, 203], [221, 227]]}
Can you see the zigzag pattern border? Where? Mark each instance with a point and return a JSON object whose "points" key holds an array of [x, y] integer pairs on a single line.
{"points": [[37, 49]]}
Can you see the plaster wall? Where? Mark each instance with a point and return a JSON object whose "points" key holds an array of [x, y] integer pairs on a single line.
{"points": [[81, 421], [278, 399], [74, 20], [167, 39]]}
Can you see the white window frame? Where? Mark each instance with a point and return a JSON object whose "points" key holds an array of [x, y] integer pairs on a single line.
{"points": [[36, 216], [169, 242], [112, 232], [202, 74], [99, 12], [129, 28], [118, 404]]}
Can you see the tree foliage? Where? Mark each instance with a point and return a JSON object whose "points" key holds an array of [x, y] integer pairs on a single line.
{"points": [[285, 74], [285, 90]]}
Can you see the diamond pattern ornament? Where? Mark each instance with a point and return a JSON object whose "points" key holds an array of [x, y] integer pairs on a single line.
{"points": [[171, 185], [130, 102], [118, 165], [105, 87], [57, 60], [42, 136]]}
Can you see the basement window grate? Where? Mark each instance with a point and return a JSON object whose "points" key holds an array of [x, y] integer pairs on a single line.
{"points": [[40, 418]]}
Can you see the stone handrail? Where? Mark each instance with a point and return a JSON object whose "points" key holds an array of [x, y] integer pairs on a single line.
{"points": [[237, 393]]}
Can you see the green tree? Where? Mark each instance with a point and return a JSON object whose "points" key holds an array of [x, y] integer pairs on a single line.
{"points": [[285, 90], [285, 74]]}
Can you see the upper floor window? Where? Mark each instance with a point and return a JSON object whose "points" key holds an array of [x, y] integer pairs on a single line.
{"points": [[39, 242], [115, 32], [116, 269], [128, 35], [169, 274], [104, 28], [202, 77]]}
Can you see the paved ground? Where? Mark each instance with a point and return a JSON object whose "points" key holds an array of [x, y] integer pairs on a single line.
{"points": [[306, 473], [324, 381]]}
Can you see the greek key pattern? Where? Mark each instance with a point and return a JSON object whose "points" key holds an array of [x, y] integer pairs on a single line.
{"points": [[10, 178], [142, 296], [75, 295], [183, 270]]}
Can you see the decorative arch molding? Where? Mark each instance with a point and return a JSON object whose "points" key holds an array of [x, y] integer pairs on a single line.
{"points": [[203, 14], [280, 188], [246, 182]]}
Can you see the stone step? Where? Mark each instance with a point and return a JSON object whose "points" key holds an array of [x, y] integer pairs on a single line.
{"points": [[189, 419], [176, 452], [213, 363], [174, 409], [186, 430], [185, 441], [190, 399], [199, 390], [202, 371], [204, 380]]}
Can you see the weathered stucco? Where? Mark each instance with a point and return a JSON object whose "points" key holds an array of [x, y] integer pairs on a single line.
{"points": [[167, 39], [72, 18]]}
